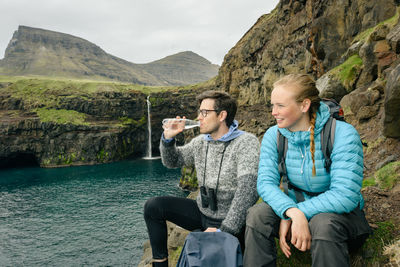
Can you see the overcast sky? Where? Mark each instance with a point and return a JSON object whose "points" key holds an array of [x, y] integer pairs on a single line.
{"points": [[140, 31]]}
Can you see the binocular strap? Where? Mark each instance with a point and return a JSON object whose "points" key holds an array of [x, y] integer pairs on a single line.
{"points": [[220, 165]]}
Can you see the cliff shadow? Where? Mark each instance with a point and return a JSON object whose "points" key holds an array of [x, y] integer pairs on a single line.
{"points": [[18, 160]]}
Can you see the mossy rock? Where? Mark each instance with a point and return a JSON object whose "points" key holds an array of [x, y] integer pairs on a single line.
{"points": [[386, 177], [349, 71], [188, 180]]}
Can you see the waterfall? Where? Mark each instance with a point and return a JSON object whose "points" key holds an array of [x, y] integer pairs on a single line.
{"points": [[149, 149], [148, 154]]}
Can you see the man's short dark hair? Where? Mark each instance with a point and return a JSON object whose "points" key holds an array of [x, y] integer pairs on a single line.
{"points": [[222, 101]]}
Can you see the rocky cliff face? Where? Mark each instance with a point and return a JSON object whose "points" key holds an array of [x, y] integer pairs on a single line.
{"points": [[65, 127], [42, 52], [103, 137], [297, 36], [350, 47]]}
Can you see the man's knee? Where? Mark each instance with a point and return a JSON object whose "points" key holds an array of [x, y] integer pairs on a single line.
{"points": [[151, 207]]}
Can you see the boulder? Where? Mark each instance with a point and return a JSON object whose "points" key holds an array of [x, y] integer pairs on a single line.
{"points": [[352, 50], [367, 112], [370, 70], [393, 38], [384, 55], [330, 86], [391, 122], [380, 33], [362, 102]]}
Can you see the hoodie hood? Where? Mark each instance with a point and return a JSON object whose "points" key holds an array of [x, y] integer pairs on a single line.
{"points": [[230, 135]]}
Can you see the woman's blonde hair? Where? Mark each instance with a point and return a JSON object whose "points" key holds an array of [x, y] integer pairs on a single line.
{"points": [[305, 88]]}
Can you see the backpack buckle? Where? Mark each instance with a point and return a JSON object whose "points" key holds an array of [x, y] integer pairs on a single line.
{"points": [[328, 163]]}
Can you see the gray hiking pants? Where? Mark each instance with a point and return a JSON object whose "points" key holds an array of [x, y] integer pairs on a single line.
{"points": [[333, 236]]}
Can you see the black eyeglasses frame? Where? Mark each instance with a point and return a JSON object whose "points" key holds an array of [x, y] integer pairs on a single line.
{"points": [[204, 112]]}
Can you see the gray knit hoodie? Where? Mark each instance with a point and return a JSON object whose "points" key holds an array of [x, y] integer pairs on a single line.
{"points": [[238, 175]]}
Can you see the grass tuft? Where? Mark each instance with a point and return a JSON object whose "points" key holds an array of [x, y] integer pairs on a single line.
{"points": [[388, 176], [61, 116], [348, 70], [374, 246], [368, 182]]}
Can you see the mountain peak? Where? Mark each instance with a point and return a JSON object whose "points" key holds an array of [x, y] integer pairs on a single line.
{"points": [[42, 52]]}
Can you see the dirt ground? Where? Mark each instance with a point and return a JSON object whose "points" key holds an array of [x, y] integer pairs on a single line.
{"points": [[382, 205]]}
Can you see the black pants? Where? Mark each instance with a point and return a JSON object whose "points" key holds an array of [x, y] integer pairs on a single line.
{"points": [[180, 211], [333, 236]]}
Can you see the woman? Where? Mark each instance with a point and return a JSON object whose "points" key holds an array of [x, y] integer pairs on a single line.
{"points": [[330, 220]]}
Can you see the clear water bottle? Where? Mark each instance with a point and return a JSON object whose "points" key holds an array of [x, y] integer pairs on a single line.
{"points": [[176, 123]]}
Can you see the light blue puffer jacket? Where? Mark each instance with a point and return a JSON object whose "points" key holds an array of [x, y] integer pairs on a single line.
{"points": [[341, 186]]}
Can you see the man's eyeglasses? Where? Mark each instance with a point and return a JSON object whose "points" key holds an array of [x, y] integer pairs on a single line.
{"points": [[204, 112]]}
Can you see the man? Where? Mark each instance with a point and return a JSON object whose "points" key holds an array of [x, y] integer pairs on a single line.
{"points": [[226, 161]]}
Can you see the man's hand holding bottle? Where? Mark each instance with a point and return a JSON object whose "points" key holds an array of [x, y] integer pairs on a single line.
{"points": [[172, 127]]}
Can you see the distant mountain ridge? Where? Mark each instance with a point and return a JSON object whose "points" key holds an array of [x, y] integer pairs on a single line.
{"points": [[34, 51]]}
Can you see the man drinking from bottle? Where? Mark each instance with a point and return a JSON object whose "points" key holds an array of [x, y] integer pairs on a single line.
{"points": [[226, 162]]}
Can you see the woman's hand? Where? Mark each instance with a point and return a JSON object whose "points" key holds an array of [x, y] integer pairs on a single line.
{"points": [[284, 234], [301, 236], [172, 128], [211, 229]]}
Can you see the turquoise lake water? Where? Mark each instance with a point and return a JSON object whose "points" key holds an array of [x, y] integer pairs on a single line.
{"points": [[79, 216]]}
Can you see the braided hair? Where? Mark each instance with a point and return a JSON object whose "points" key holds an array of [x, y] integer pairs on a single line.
{"points": [[305, 88]]}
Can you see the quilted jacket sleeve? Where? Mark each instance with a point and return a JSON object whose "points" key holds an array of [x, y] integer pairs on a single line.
{"points": [[346, 174], [268, 176]]}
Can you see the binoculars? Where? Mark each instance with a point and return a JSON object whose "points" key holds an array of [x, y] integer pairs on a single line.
{"points": [[208, 198]]}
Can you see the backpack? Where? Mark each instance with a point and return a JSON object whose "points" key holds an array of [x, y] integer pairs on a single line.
{"points": [[327, 140], [210, 249]]}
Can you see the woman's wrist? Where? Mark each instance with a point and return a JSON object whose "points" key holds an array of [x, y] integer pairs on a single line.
{"points": [[293, 213]]}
